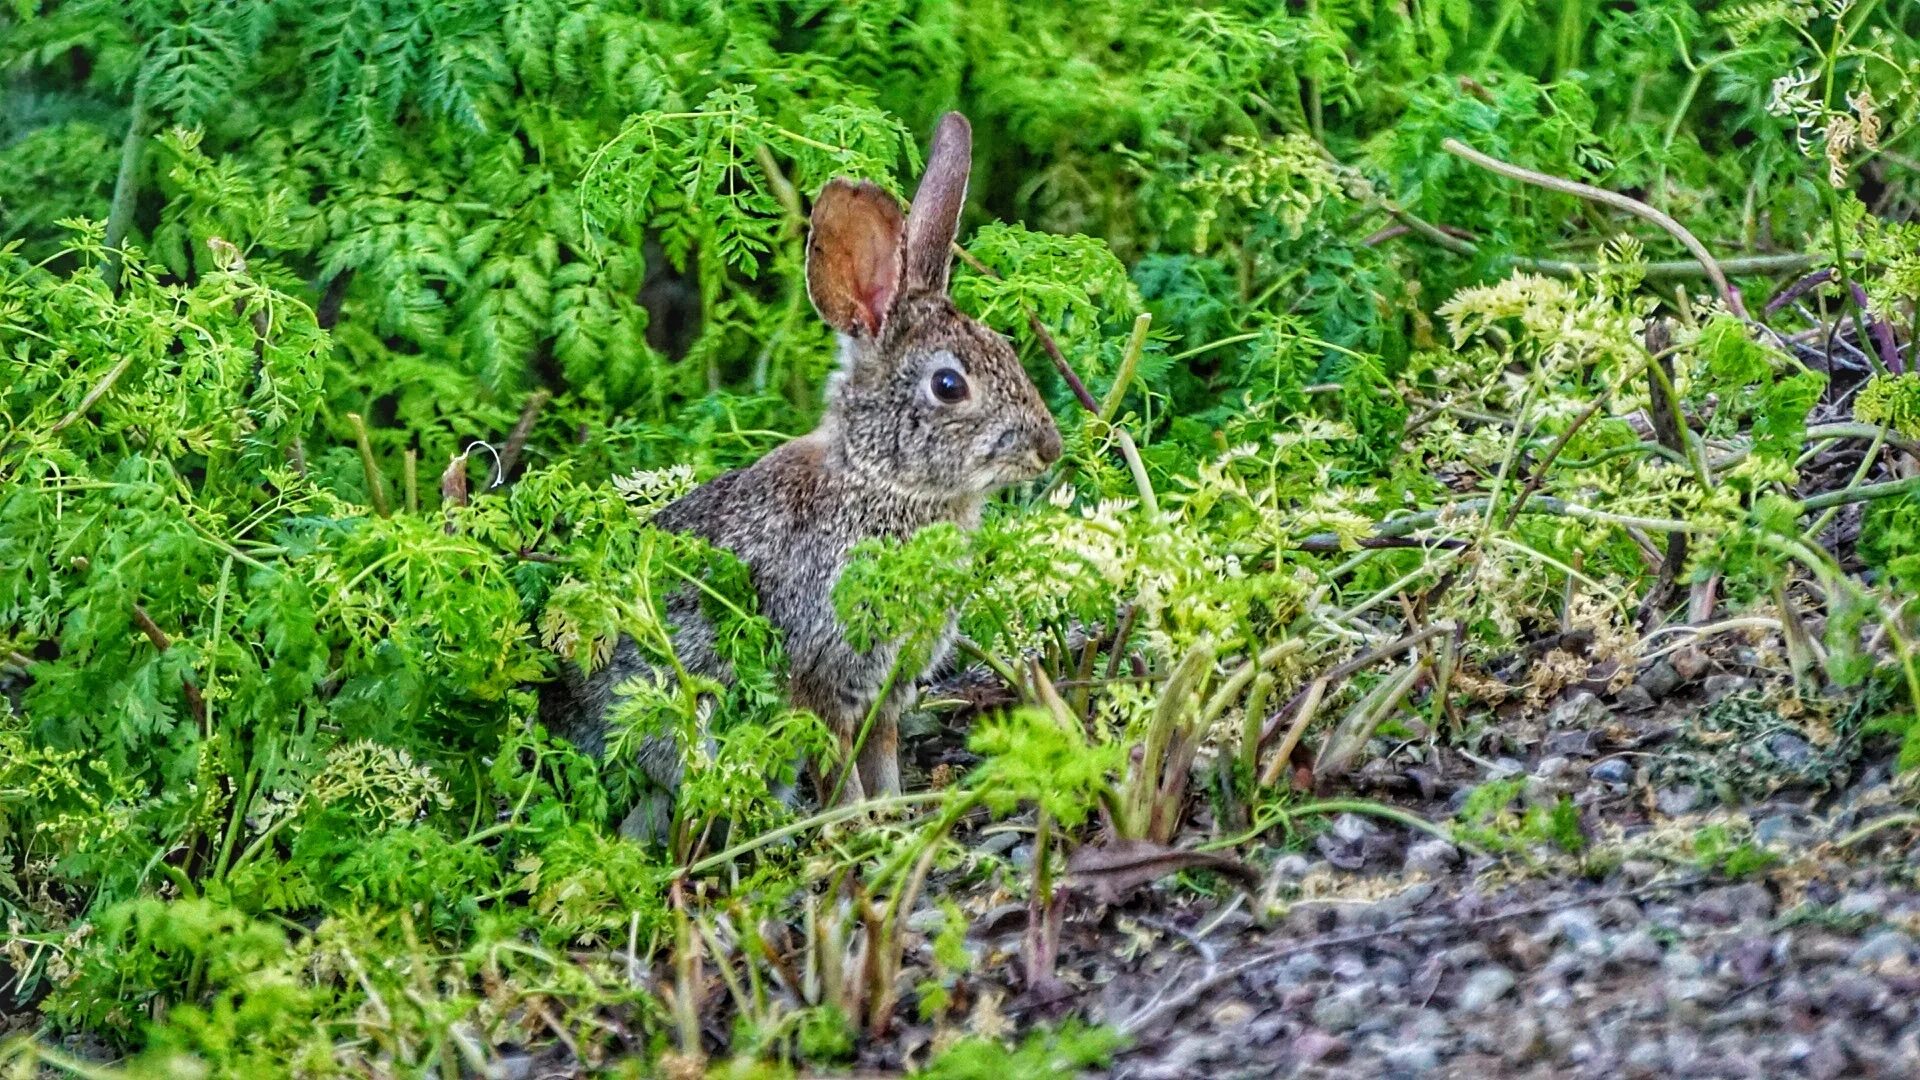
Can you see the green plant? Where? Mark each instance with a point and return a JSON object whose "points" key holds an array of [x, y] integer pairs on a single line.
{"points": [[345, 350]]}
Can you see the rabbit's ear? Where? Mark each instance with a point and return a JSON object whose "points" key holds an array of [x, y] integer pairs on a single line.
{"points": [[854, 256], [935, 218]]}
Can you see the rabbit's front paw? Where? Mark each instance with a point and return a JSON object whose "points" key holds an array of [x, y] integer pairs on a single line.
{"points": [[650, 821]]}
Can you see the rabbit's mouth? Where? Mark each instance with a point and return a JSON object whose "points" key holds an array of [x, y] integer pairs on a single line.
{"points": [[1015, 468], [1012, 460]]}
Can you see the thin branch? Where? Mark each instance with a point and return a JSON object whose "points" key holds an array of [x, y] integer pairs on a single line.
{"points": [[1045, 338], [126, 184], [162, 643], [517, 441], [1861, 494], [1669, 269], [1539, 474], [1129, 362], [1659, 270], [1632, 206], [1539, 504], [98, 391], [1329, 543], [1869, 432], [1878, 329], [1796, 290]]}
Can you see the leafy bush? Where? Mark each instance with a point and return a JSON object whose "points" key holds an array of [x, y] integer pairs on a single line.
{"points": [[346, 347]]}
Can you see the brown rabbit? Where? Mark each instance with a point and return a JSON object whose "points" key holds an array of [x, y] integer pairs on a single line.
{"points": [[929, 413]]}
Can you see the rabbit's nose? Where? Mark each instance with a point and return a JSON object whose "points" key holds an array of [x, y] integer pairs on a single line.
{"points": [[1047, 445]]}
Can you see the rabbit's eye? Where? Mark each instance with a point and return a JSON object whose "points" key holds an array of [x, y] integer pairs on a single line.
{"points": [[949, 385]]}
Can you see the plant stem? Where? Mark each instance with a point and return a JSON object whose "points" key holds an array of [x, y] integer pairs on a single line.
{"points": [[1138, 467], [1539, 474], [1044, 336], [94, 394], [126, 184], [1129, 362], [1812, 535], [376, 490], [819, 820], [1632, 206], [1865, 493]]}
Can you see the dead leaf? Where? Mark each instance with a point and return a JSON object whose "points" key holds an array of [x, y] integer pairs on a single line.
{"points": [[1111, 872]]}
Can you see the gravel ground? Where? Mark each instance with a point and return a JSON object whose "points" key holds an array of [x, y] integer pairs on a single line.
{"points": [[1629, 976], [1380, 951]]}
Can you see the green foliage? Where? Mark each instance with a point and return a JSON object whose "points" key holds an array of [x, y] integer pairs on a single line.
{"points": [[1717, 850], [1058, 1052], [268, 747], [1892, 401], [1033, 758], [1488, 819]]}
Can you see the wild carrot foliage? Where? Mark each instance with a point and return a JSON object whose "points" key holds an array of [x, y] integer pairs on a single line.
{"points": [[279, 282]]}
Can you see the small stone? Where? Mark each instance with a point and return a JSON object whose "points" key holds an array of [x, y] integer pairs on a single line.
{"points": [[1646, 1059], [1887, 952], [1552, 768], [1304, 966], [1691, 662], [1484, 987], [1347, 966], [1232, 1014], [1680, 963], [1578, 927], [1611, 771], [1570, 744], [1309, 917], [1789, 749], [927, 920], [1286, 869], [1639, 870], [1732, 903], [1659, 680], [1312, 1047], [1416, 1058], [1553, 997], [1620, 911], [1861, 993], [1634, 699], [1427, 1024], [1703, 992], [1466, 954], [1352, 828], [999, 843], [1719, 686], [1827, 1060], [1779, 831], [1677, 800], [1861, 905], [1433, 857], [1637, 947], [1344, 1010], [1581, 710], [1521, 1038]]}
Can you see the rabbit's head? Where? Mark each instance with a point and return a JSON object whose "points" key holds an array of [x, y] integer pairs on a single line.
{"points": [[926, 399]]}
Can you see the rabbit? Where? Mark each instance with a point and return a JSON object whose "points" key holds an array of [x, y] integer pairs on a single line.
{"points": [[928, 414]]}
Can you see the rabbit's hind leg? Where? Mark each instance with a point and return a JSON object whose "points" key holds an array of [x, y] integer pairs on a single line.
{"points": [[650, 822], [879, 764]]}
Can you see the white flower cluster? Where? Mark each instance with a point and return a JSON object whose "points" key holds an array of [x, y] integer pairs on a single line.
{"points": [[381, 777], [648, 490]]}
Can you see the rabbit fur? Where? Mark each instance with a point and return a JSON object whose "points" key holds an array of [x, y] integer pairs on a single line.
{"points": [[897, 450]]}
